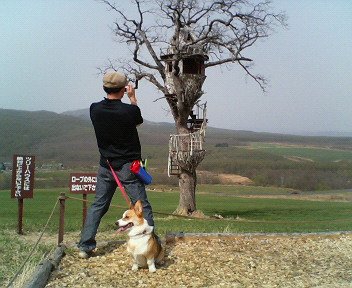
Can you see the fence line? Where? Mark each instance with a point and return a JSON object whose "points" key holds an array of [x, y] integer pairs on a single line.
{"points": [[34, 247]]}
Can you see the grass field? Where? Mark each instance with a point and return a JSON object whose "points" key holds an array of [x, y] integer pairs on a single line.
{"points": [[255, 214], [310, 153], [241, 207]]}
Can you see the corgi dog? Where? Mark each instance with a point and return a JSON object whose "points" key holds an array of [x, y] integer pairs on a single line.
{"points": [[142, 244]]}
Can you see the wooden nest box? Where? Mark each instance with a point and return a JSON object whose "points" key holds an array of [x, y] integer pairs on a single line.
{"points": [[191, 61], [185, 60]]}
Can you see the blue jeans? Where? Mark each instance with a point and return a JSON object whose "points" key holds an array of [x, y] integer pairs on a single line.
{"points": [[105, 190]]}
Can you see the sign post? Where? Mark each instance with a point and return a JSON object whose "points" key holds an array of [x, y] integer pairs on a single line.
{"points": [[22, 183], [83, 183]]}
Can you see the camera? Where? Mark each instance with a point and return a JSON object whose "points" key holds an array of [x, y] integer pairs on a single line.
{"points": [[135, 81]]}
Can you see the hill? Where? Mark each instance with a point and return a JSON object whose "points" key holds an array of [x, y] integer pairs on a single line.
{"points": [[69, 137], [299, 162], [66, 138], [50, 136], [232, 137]]}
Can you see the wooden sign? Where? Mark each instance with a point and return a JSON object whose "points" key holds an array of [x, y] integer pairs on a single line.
{"points": [[83, 183], [22, 176]]}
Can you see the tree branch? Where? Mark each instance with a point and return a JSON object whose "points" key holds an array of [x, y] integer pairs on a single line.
{"points": [[226, 60], [131, 31], [224, 29], [262, 82]]}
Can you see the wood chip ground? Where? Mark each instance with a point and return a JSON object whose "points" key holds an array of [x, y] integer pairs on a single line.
{"points": [[237, 261]]}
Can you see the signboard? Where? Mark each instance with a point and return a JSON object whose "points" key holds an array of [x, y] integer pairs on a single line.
{"points": [[22, 176], [83, 183]]}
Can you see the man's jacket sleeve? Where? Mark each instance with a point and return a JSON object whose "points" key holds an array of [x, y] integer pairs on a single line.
{"points": [[139, 118]]}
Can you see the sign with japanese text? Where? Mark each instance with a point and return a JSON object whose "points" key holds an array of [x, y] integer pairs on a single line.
{"points": [[22, 176], [83, 183]]}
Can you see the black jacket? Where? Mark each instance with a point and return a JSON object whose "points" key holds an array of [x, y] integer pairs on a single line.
{"points": [[115, 129]]}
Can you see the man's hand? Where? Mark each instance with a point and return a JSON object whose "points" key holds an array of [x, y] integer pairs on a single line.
{"points": [[131, 93]]}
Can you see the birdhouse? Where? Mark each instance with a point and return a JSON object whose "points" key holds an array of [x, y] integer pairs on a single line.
{"points": [[191, 62], [187, 62]]}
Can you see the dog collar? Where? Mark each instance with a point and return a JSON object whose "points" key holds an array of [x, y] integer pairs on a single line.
{"points": [[140, 234]]}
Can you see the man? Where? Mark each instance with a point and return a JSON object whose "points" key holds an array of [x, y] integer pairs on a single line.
{"points": [[118, 142]]}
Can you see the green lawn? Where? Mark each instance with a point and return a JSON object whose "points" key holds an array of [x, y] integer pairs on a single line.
{"points": [[239, 190], [315, 154], [241, 214]]}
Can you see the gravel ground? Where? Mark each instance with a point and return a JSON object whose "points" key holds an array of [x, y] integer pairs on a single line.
{"points": [[220, 261]]}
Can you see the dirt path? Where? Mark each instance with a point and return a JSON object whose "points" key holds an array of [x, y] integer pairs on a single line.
{"points": [[217, 261]]}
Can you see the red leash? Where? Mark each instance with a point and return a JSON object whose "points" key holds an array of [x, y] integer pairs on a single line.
{"points": [[123, 191]]}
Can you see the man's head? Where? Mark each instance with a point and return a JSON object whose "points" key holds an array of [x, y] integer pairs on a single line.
{"points": [[114, 82]]}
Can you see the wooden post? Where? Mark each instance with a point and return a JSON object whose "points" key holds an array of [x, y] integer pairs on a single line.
{"points": [[84, 208], [62, 199], [20, 216]]}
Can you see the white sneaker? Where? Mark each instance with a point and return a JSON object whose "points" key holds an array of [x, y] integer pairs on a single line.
{"points": [[84, 254]]}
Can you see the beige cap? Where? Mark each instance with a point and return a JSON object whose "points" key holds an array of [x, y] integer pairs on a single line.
{"points": [[114, 80]]}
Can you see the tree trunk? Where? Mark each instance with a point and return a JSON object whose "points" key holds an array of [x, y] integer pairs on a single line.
{"points": [[188, 163], [187, 184]]}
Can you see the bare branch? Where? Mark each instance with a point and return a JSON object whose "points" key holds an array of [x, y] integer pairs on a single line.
{"points": [[262, 82], [151, 78], [226, 60], [224, 29], [132, 32]]}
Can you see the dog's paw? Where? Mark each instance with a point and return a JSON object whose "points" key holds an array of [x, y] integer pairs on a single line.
{"points": [[135, 267], [151, 265]]}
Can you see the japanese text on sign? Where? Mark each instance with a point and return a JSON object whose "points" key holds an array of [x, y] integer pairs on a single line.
{"points": [[18, 182], [27, 174], [23, 176], [83, 183]]}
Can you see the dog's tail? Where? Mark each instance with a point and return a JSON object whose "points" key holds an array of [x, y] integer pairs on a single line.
{"points": [[161, 253]]}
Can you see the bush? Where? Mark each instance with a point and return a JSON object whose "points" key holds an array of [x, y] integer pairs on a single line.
{"points": [[222, 145], [5, 180]]}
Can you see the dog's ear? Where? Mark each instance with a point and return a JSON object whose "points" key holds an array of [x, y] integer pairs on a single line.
{"points": [[138, 208], [131, 206]]}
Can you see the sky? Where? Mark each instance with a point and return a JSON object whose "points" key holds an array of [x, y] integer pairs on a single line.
{"points": [[50, 52]]}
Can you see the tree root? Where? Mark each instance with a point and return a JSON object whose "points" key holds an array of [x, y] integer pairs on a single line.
{"points": [[195, 214]]}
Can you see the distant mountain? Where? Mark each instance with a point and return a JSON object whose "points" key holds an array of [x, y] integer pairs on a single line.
{"points": [[84, 114], [81, 113], [69, 137], [46, 134], [327, 133]]}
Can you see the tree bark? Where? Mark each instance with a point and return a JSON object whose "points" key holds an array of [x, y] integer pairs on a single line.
{"points": [[188, 175], [187, 184]]}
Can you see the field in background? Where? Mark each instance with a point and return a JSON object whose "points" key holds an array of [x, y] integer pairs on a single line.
{"points": [[267, 159], [246, 209], [304, 153], [294, 166]]}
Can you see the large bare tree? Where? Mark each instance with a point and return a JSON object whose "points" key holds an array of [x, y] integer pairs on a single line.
{"points": [[164, 36]]}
